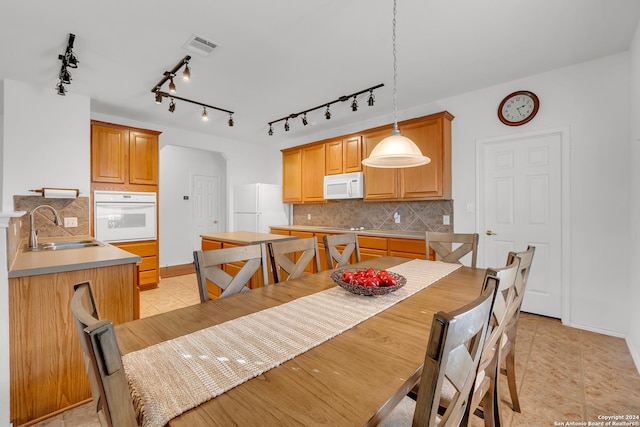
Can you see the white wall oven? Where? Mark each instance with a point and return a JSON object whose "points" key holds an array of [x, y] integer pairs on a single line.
{"points": [[123, 216]]}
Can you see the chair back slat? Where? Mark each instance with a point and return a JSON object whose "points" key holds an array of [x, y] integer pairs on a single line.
{"points": [[210, 267], [332, 244], [443, 244]]}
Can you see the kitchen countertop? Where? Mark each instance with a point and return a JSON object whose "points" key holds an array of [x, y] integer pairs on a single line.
{"points": [[45, 262], [417, 235], [244, 237]]}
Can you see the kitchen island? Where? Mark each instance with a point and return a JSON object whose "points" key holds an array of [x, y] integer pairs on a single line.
{"points": [[231, 239], [47, 371]]}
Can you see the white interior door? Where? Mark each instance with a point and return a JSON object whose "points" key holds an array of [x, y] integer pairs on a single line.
{"points": [[520, 204], [206, 207]]}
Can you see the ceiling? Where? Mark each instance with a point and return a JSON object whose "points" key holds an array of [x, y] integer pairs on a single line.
{"points": [[279, 57]]}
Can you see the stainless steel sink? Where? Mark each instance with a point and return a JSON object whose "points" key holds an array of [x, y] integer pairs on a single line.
{"points": [[62, 245]]}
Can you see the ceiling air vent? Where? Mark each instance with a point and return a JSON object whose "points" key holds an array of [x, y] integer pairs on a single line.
{"points": [[200, 45]]}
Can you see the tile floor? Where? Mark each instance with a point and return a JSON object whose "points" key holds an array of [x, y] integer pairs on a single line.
{"points": [[564, 375]]}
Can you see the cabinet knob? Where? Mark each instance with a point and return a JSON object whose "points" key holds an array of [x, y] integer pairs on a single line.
{"points": [[215, 221], [490, 233]]}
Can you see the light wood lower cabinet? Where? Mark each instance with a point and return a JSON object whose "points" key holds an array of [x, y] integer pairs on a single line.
{"points": [[47, 371], [149, 266]]}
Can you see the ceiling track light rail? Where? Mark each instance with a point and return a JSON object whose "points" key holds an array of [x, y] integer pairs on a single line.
{"points": [[327, 113], [186, 76], [69, 60]]}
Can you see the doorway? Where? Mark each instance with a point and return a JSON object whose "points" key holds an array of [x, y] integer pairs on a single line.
{"points": [[523, 199], [205, 191]]}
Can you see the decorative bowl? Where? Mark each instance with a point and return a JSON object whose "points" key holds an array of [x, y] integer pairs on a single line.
{"points": [[367, 290]]}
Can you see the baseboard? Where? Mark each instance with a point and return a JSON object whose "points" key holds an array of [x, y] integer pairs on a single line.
{"points": [[635, 353], [596, 330], [177, 270]]}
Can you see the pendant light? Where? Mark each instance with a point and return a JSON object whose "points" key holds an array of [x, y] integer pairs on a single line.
{"points": [[395, 151]]}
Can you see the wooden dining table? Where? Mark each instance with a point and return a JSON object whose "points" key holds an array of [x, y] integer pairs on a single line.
{"points": [[344, 381]]}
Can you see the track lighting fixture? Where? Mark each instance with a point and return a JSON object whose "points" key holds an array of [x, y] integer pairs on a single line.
{"points": [[286, 125], [327, 105], [186, 75], [372, 99], [69, 59]]}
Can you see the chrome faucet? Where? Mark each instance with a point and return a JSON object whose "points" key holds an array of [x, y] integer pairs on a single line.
{"points": [[33, 240]]}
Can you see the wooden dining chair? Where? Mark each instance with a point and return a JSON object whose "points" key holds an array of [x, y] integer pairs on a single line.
{"points": [[109, 388], [292, 257], [335, 258], [485, 393], [451, 247], [210, 265], [508, 351], [453, 355]]}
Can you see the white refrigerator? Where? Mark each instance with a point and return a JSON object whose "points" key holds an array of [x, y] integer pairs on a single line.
{"points": [[259, 206]]}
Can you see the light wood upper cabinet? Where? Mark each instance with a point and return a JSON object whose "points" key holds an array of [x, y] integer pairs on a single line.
{"points": [[313, 158], [121, 155], [143, 158], [343, 155], [108, 154], [379, 183], [333, 157], [292, 176]]}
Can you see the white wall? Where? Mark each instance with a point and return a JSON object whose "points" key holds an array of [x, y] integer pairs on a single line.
{"points": [[46, 141], [633, 337], [177, 165]]}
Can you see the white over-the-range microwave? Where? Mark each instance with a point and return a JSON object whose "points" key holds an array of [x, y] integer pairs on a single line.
{"points": [[344, 186]]}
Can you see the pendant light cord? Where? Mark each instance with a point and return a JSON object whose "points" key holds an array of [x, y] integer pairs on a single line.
{"points": [[395, 70]]}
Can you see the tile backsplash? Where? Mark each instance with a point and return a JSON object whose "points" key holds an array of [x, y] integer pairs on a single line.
{"points": [[413, 216], [44, 221]]}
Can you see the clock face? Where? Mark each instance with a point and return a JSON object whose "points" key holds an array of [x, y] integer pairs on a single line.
{"points": [[518, 108]]}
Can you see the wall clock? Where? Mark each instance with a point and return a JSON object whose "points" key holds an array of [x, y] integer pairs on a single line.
{"points": [[518, 108]]}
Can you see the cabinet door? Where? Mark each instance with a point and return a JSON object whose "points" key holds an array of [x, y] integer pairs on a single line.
{"points": [[143, 158], [379, 183], [408, 248], [432, 180], [108, 154], [333, 158], [292, 176], [313, 158], [352, 154]]}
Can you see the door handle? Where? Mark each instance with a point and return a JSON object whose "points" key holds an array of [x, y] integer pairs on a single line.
{"points": [[490, 233]]}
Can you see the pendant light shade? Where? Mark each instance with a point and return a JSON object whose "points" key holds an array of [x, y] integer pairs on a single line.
{"points": [[395, 151]]}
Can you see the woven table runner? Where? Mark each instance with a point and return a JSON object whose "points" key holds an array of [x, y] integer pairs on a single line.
{"points": [[174, 376]]}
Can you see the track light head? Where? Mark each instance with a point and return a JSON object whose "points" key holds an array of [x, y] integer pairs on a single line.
{"points": [[354, 104], [72, 60], [60, 89], [172, 85], [327, 114], [186, 74], [172, 106], [372, 99], [158, 96], [205, 117], [270, 130], [286, 125], [230, 120], [304, 119], [65, 75]]}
